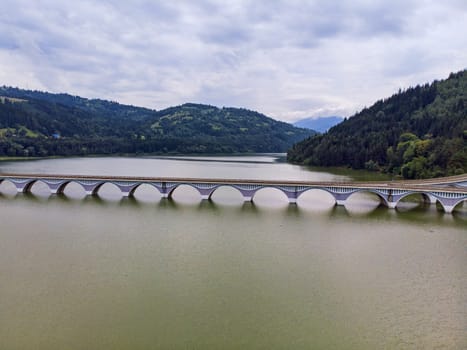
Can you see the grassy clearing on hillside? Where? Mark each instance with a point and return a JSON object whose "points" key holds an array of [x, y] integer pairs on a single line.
{"points": [[22, 131], [11, 99]]}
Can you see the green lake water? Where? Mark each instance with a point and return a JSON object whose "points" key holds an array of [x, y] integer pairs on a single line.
{"points": [[109, 272]]}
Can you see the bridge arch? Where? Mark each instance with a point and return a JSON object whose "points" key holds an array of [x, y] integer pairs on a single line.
{"points": [[324, 189], [312, 192], [381, 196], [450, 206], [133, 190], [263, 188], [225, 186], [30, 184], [175, 187], [110, 184], [427, 198], [63, 186], [8, 185], [459, 203]]}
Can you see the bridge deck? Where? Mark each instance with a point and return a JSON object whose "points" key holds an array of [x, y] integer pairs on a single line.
{"points": [[415, 185]]}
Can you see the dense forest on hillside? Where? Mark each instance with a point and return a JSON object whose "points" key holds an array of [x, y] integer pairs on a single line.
{"points": [[222, 130], [103, 109], [417, 133], [34, 123]]}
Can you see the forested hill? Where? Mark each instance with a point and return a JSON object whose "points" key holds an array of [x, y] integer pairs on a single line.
{"points": [[34, 123], [417, 133], [222, 130], [96, 107]]}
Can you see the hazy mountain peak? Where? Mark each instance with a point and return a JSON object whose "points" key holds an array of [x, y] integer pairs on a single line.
{"points": [[320, 124]]}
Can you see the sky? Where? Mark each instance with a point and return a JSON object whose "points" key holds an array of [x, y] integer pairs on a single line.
{"points": [[287, 59]]}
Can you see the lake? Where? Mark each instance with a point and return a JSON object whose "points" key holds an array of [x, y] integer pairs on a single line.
{"points": [[108, 272]]}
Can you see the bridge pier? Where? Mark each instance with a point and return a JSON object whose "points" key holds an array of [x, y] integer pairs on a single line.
{"points": [[90, 187], [449, 202], [247, 193], [21, 189], [448, 209], [292, 196], [20, 185], [205, 193], [55, 188], [340, 197], [431, 199], [126, 188]]}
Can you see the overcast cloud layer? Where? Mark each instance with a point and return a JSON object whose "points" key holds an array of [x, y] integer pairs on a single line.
{"points": [[287, 59]]}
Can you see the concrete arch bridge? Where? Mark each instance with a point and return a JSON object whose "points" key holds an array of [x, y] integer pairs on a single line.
{"points": [[448, 191]]}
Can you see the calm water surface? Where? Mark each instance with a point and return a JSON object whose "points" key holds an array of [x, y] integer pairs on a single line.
{"points": [[148, 273]]}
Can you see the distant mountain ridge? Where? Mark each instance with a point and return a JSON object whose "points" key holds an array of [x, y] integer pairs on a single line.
{"points": [[320, 124], [102, 108], [417, 133], [35, 123]]}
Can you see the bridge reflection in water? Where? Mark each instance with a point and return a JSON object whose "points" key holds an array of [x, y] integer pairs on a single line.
{"points": [[448, 191]]}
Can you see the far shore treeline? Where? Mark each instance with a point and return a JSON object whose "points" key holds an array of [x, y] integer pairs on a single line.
{"points": [[420, 132], [40, 124], [417, 133]]}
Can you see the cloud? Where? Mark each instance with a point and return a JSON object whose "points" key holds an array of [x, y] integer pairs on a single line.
{"points": [[287, 59]]}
